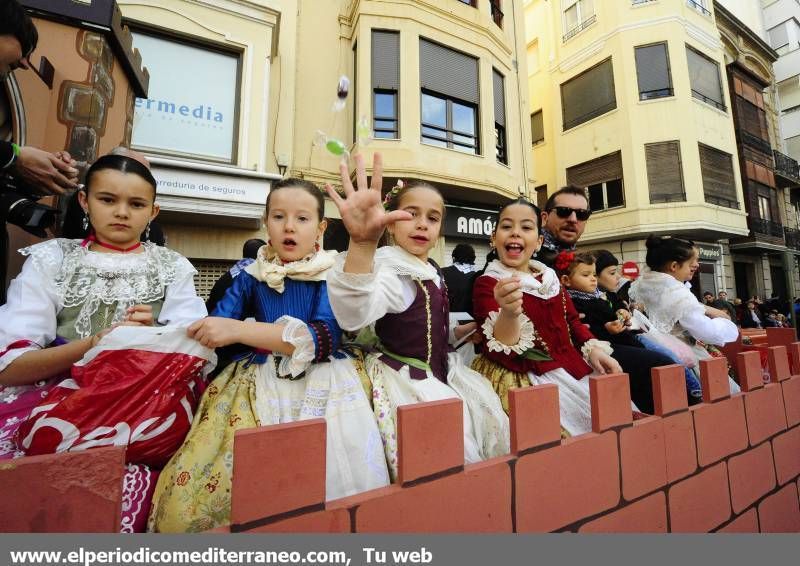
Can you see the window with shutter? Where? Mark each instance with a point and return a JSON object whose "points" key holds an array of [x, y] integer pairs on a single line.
{"points": [[537, 127], [449, 104], [602, 177], [704, 78], [664, 172], [718, 181], [385, 83], [588, 95], [652, 71], [499, 92]]}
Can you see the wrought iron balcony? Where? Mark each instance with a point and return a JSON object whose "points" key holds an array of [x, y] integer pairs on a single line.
{"points": [[786, 167], [755, 142], [580, 27], [765, 227], [792, 238]]}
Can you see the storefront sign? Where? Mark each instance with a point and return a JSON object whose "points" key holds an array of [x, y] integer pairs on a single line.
{"points": [[710, 253], [191, 107], [469, 223], [204, 185], [630, 270]]}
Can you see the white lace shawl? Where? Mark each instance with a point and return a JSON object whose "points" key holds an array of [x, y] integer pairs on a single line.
{"points": [[547, 288], [665, 299], [79, 277]]}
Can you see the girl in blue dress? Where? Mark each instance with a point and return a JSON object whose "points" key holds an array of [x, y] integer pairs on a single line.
{"points": [[290, 371]]}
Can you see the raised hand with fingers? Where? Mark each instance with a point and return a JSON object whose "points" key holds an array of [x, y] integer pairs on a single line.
{"points": [[362, 209]]}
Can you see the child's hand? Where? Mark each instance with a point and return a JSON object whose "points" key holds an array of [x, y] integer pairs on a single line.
{"points": [[602, 363], [623, 315], [215, 332], [463, 329], [508, 294], [615, 326], [139, 315], [711, 312], [362, 210]]}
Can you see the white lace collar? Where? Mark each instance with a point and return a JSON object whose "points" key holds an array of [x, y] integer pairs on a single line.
{"points": [[401, 262], [79, 277], [665, 299], [547, 288]]}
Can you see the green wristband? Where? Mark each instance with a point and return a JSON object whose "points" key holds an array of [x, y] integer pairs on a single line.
{"points": [[16, 149]]}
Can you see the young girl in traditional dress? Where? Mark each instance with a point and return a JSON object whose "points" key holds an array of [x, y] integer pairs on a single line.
{"points": [[665, 293], [291, 372], [401, 293], [70, 293], [532, 332]]}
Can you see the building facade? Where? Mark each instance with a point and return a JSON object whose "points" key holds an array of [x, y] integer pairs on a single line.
{"points": [[765, 262], [436, 86], [632, 100]]}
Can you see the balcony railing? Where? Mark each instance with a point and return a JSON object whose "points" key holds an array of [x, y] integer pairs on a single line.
{"points": [[755, 142], [786, 167], [580, 27], [698, 6], [792, 238], [765, 227]]}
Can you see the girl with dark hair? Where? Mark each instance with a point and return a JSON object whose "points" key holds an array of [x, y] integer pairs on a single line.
{"points": [[531, 331], [400, 293], [664, 291], [71, 293], [291, 370]]}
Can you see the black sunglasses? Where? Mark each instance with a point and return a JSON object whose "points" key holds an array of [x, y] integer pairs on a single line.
{"points": [[581, 214]]}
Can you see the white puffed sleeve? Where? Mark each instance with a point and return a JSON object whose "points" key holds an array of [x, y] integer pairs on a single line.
{"points": [[296, 333], [359, 299], [30, 312], [526, 335], [181, 305], [717, 331]]}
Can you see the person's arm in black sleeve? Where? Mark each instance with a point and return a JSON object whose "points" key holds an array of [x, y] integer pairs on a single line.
{"points": [[7, 155]]}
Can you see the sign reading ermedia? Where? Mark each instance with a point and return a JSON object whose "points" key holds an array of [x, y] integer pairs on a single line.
{"points": [[191, 107], [469, 223]]}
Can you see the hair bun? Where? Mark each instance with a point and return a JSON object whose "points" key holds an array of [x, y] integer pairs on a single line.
{"points": [[654, 241]]}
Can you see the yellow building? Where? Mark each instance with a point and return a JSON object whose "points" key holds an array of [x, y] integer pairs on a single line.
{"points": [[630, 99], [441, 87], [242, 92]]}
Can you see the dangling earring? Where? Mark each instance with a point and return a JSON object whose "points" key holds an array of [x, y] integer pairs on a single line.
{"points": [[85, 221], [147, 231], [316, 246]]}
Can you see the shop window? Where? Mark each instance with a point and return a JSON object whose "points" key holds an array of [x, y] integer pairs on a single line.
{"points": [[192, 110], [588, 95]]}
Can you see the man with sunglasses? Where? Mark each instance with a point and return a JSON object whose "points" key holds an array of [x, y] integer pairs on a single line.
{"points": [[563, 222]]}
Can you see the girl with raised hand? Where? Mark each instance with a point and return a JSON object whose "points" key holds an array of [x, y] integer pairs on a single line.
{"points": [[531, 332], [664, 291], [400, 292], [291, 370], [71, 293]]}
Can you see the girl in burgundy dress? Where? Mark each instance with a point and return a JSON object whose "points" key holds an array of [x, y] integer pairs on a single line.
{"points": [[532, 333], [400, 293]]}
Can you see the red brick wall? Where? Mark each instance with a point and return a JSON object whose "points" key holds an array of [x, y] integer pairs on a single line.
{"points": [[731, 464]]}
